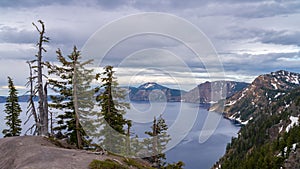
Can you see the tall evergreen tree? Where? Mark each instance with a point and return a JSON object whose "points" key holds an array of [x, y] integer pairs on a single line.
{"points": [[110, 98], [13, 110], [157, 142], [73, 82]]}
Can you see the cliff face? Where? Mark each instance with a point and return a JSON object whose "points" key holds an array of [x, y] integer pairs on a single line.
{"points": [[270, 111], [271, 139], [205, 92], [263, 92]]}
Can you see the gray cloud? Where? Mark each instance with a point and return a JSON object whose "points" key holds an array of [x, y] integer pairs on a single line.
{"points": [[260, 64], [237, 28], [13, 35], [30, 3], [283, 38]]}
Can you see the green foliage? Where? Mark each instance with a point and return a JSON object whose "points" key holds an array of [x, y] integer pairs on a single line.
{"points": [[70, 77], [107, 164], [134, 163], [259, 145], [110, 98], [157, 142], [13, 110], [178, 165]]}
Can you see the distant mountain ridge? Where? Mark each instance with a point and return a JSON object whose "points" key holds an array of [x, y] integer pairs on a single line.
{"points": [[155, 92], [152, 91], [22, 98], [264, 91], [204, 92]]}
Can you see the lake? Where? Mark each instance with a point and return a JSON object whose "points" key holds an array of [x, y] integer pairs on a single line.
{"points": [[195, 155]]}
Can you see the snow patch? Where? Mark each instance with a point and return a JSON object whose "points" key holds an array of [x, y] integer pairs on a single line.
{"points": [[231, 103], [295, 80], [213, 102], [218, 167], [246, 122], [280, 129], [274, 85], [243, 94], [294, 146], [294, 121], [149, 85], [278, 94]]}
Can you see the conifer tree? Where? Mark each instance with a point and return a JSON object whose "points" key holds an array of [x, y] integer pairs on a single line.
{"points": [[13, 110], [73, 81], [157, 142], [110, 98]]}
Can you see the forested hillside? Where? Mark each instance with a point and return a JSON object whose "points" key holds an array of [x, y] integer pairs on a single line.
{"points": [[270, 140]]}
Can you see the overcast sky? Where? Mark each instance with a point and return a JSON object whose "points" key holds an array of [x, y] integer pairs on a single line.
{"points": [[250, 37]]}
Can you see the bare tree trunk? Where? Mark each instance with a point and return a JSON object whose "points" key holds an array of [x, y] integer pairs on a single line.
{"points": [[155, 139], [75, 102], [128, 148], [51, 123], [31, 106], [43, 129]]}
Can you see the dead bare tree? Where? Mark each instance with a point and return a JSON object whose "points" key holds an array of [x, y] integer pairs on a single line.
{"points": [[40, 89], [31, 111]]}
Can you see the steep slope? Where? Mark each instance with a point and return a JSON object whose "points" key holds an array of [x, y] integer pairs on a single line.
{"points": [[203, 92], [270, 140], [264, 91], [154, 92]]}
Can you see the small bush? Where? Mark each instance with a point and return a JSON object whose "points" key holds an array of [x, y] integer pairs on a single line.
{"points": [[134, 163], [107, 164]]}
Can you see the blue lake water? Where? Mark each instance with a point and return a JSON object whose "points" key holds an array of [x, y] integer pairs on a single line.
{"points": [[195, 155]]}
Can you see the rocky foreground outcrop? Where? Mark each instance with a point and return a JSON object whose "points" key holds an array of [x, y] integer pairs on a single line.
{"points": [[34, 152]]}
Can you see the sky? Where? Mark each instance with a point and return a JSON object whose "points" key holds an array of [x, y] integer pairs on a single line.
{"points": [[250, 37]]}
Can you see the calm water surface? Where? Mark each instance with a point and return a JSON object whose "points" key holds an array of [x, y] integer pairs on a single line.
{"points": [[194, 154]]}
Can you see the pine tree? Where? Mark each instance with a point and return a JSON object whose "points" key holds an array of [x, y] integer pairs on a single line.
{"points": [[13, 110], [112, 111], [73, 82], [157, 142]]}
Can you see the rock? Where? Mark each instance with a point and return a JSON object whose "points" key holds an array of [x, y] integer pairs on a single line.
{"points": [[36, 152]]}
